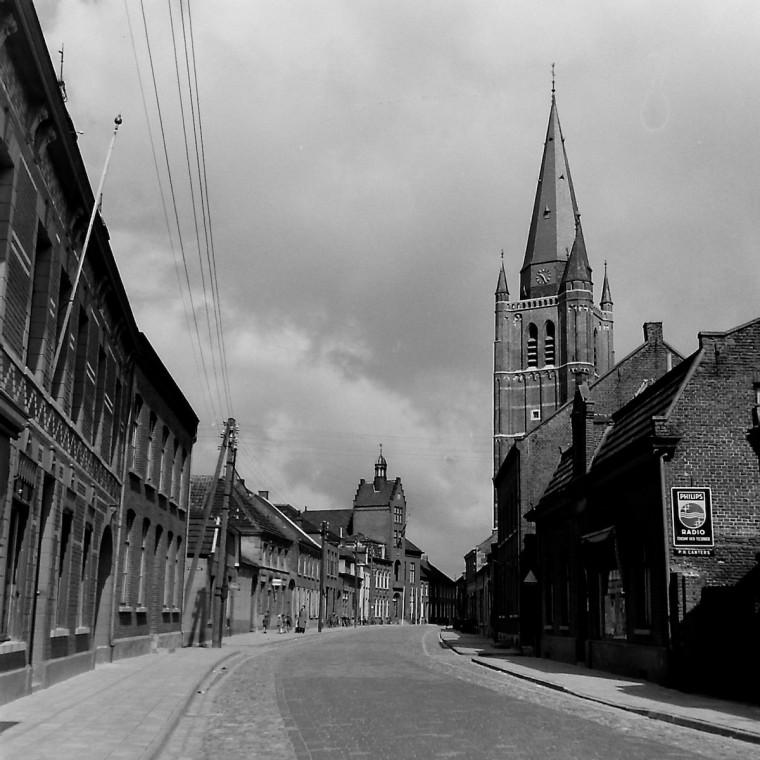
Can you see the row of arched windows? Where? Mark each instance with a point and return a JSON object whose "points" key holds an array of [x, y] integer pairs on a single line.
{"points": [[548, 344], [150, 560]]}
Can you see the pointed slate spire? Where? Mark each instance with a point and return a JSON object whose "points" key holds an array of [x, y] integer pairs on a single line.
{"points": [[578, 268], [501, 287], [552, 227], [606, 302]]}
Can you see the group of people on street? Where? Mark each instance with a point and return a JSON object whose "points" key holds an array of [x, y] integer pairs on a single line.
{"points": [[285, 622]]}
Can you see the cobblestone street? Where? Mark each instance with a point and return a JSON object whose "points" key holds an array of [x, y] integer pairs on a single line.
{"points": [[395, 692]]}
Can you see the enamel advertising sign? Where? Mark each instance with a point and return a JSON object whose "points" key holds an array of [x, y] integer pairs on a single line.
{"points": [[691, 509]]}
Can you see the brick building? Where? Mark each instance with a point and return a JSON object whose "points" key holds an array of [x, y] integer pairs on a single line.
{"points": [[545, 341], [95, 437], [554, 330], [378, 517], [272, 564], [525, 474], [442, 594], [649, 531]]}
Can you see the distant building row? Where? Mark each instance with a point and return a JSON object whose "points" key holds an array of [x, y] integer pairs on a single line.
{"points": [[373, 574]]}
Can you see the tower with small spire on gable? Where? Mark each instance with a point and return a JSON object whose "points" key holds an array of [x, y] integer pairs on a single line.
{"points": [[554, 331]]}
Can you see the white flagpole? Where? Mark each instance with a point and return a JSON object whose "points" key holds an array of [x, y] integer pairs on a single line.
{"points": [[70, 304]]}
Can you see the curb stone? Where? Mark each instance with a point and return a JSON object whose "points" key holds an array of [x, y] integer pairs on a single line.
{"points": [[665, 717]]}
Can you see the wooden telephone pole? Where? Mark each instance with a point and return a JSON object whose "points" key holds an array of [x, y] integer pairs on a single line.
{"points": [[219, 618], [322, 570]]}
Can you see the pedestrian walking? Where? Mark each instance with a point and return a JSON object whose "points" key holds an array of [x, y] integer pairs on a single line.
{"points": [[288, 623], [265, 621], [301, 621], [280, 628]]}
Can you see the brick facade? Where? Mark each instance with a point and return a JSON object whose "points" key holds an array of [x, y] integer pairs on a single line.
{"points": [[640, 604], [63, 425]]}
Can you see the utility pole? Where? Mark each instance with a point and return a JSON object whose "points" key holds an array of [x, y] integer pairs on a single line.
{"points": [[322, 564], [356, 582], [208, 507], [222, 587]]}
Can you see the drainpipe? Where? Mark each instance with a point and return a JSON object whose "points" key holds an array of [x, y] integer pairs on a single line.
{"points": [[666, 552]]}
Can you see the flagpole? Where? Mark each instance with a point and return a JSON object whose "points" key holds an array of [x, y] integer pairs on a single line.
{"points": [[70, 304]]}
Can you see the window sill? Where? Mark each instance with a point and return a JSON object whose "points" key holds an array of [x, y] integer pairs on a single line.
{"points": [[82, 629], [8, 647], [58, 633], [140, 610], [125, 608]]}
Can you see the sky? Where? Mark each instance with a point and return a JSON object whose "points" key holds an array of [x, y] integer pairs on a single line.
{"points": [[367, 161]]}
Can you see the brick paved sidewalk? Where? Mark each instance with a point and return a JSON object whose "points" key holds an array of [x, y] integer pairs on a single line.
{"points": [[717, 716], [121, 711]]}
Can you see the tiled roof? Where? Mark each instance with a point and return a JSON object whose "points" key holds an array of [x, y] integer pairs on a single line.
{"points": [[633, 422], [244, 516], [337, 519], [410, 547], [562, 475], [430, 573]]}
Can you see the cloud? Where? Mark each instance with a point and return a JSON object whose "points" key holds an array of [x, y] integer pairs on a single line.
{"points": [[367, 162]]}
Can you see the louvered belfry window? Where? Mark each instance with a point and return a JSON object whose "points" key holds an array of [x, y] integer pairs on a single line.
{"points": [[532, 345], [549, 355]]}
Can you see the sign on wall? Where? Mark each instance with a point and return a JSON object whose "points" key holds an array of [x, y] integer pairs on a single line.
{"points": [[691, 510]]}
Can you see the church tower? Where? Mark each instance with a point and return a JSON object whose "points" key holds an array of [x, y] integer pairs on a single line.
{"points": [[554, 331]]}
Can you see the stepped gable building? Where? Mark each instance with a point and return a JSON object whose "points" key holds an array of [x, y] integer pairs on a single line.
{"points": [[379, 516], [95, 436], [546, 342], [649, 530]]}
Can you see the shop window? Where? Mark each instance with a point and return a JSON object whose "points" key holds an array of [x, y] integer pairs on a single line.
{"points": [[11, 620], [64, 568], [613, 605], [84, 577]]}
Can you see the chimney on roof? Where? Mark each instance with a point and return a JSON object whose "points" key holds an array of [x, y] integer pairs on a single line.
{"points": [[264, 495], [653, 332]]}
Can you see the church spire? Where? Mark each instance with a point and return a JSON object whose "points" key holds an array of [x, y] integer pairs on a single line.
{"points": [[578, 269], [606, 302], [502, 291], [552, 226]]}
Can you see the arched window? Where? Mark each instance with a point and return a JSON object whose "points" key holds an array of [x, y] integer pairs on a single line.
{"points": [[549, 358], [127, 558], [532, 345], [141, 578]]}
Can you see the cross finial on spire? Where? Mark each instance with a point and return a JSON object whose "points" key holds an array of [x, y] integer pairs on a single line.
{"points": [[552, 80], [502, 254]]}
